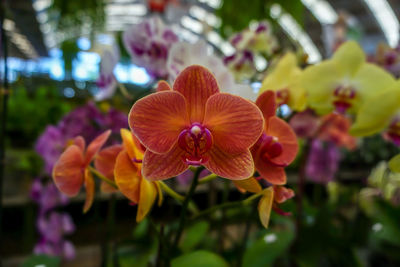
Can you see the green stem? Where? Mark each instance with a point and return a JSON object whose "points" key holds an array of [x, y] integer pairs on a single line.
{"points": [[185, 205], [171, 192], [208, 178], [124, 91], [228, 205], [102, 177]]}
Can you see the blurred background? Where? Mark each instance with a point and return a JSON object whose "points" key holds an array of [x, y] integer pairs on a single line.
{"points": [[53, 50]]}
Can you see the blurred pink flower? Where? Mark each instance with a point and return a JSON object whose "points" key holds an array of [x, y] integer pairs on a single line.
{"points": [[107, 83], [148, 44]]}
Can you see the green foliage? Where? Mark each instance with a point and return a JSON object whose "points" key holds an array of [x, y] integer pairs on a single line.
{"points": [[254, 10], [273, 244], [194, 235], [29, 114], [41, 260], [199, 258]]}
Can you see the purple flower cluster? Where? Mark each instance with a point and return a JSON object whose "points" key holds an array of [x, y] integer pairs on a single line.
{"points": [[87, 121], [388, 58], [52, 226], [323, 161]]}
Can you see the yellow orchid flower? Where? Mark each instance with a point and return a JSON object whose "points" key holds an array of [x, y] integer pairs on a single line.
{"points": [[129, 179], [380, 113], [285, 81], [344, 82]]}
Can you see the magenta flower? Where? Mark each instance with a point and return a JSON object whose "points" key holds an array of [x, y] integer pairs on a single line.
{"points": [[148, 44]]}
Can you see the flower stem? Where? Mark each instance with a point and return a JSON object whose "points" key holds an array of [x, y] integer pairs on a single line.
{"points": [[208, 178], [102, 177], [124, 91], [228, 205], [171, 192], [185, 205]]}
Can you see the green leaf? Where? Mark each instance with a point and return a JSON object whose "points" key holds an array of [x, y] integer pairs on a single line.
{"points": [[41, 260], [194, 235], [199, 258], [264, 251]]}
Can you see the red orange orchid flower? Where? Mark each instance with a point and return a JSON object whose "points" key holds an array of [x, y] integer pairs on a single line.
{"points": [[277, 147], [105, 162], [71, 170], [194, 124], [129, 179]]}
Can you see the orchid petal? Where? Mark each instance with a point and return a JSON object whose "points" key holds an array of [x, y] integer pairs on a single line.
{"points": [[95, 146], [159, 193], [68, 171], [267, 104], [376, 114], [80, 142], [163, 166], [127, 177], [158, 119], [131, 145], [148, 194], [265, 206], [394, 163], [350, 57], [231, 166], [105, 160], [250, 185], [234, 122], [196, 84], [90, 187], [163, 86], [286, 137]]}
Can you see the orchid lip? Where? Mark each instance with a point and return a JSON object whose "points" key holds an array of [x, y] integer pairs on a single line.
{"points": [[137, 160], [344, 95], [196, 141], [271, 148]]}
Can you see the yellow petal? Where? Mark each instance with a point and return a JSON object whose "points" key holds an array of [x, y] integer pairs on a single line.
{"points": [[375, 114], [90, 187], [369, 81], [394, 163], [130, 146], [250, 185], [350, 57], [319, 82], [159, 193], [265, 206], [148, 194]]}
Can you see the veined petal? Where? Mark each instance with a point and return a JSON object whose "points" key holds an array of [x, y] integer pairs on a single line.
{"points": [[286, 137], [163, 166], [196, 84], [267, 104], [375, 114], [68, 171], [265, 206], [105, 160], [350, 57], [231, 166], [250, 185], [131, 145], [127, 177], [163, 86], [89, 187], [148, 194], [95, 146], [235, 123], [158, 119]]}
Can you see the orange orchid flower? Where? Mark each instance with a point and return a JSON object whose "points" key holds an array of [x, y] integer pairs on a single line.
{"points": [[104, 162], [71, 170], [277, 147], [129, 179], [194, 124]]}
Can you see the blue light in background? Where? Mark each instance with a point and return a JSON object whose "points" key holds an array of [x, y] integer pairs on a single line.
{"points": [[83, 43]]}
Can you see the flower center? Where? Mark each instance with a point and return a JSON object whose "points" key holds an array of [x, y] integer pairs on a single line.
{"points": [[282, 96], [393, 132], [195, 141], [270, 148], [343, 98]]}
